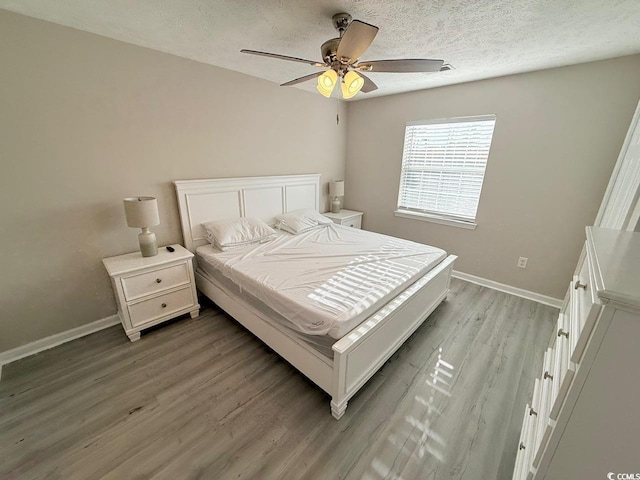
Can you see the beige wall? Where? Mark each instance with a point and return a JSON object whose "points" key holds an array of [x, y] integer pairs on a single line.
{"points": [[86, 121], [557, 137]]}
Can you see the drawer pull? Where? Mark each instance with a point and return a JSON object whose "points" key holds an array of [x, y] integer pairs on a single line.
{"points": [[532, 412], [548, 375], [562, 332], [164, 305], [580, 285], [158, 280], [521, 446]]}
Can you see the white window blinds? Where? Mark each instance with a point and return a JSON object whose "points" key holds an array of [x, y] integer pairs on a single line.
{"points": [[443, 165]]}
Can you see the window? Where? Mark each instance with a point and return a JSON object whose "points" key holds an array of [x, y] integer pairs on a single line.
{"points": [[443, 165]]}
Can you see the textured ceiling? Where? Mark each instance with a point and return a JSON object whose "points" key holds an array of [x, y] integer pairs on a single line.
{"points": [[480, 38]]}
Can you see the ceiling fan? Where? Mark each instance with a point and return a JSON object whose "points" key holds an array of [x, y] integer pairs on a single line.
{"points": [[341, 56]]}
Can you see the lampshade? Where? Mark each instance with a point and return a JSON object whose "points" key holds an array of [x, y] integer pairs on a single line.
{"points": [[326, 82], [336, 189], [141, 211], [351, 84]]}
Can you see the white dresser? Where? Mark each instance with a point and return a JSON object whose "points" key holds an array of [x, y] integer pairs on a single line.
{"points": [[151, 290], [583, 421]]}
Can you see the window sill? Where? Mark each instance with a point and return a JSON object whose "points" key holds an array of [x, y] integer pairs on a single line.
{"points": [[428, 217]]}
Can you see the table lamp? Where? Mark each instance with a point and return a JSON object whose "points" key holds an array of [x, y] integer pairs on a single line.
{"points": [[142, 212], [336, 189]]}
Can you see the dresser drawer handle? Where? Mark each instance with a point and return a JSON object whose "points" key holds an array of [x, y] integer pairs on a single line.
{"points": [[580, 285], [521, 446], [562, 332], [158, 280], [548, 375], [532, 412], [164, 305]]}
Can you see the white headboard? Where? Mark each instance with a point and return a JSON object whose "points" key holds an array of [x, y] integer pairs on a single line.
{"points": [[261, 197]]}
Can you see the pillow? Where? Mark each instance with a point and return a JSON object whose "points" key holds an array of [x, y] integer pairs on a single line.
{"points": [[301, 221], [237, 232]]}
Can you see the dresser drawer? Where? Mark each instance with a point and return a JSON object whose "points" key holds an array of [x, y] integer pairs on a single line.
{"points": [[143, 284], [543, 427], [154, 308], [584, 286], [585, 308], [523, 458], [557, 367], [534, 413], [565, 370]]}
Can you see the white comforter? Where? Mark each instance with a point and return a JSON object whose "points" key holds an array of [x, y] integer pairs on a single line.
{"points": [[328, 280]]}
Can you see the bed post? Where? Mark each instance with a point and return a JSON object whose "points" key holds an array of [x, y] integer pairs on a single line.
{"points": [[338, 394]]}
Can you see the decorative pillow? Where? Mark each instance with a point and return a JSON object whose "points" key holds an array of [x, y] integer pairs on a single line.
{"points": [[237, 232], [301, 221]]}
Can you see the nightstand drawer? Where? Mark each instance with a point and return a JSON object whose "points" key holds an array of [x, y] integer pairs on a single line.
{"points": [[346, 218], [144, 284], [353, 222], [148, 310]]}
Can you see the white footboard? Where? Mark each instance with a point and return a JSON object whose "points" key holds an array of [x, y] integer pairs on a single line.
{"points": [[359, 354]]}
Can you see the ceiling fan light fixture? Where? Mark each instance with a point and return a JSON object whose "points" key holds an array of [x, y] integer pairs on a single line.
{"points": [[327, 82], [351, 84], [341, 59]]}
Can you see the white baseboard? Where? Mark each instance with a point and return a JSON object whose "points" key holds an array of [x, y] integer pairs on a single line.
{"points": [[46, 343], [22, 351], [501, 287]]}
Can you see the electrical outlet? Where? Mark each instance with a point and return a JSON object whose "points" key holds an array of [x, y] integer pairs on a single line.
{"points": [[522, 262]]}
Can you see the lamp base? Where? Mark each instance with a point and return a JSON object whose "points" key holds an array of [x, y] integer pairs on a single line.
{"points": [[335, 205], [147, 240]]}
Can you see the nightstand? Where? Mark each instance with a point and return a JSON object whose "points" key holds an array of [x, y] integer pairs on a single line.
{"points": [[151, 290], [348, 218]]}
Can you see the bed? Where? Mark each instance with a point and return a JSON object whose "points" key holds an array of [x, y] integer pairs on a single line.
{"points": [[335, 342]]}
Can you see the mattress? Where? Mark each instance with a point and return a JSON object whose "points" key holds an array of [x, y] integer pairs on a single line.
{"points": [[325, 281], [320, 343]]}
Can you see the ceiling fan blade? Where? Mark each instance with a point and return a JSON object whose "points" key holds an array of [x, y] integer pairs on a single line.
{"points": [[284, 57], [420, 65], [368, 86], [355, 40], [302, 79]]}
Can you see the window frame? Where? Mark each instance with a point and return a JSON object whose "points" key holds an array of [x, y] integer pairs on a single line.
{"points": [[434, 216]]}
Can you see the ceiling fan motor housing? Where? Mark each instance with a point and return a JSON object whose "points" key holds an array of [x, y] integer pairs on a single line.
{"points": [[341, 21], [329, 49], [329, 55]]}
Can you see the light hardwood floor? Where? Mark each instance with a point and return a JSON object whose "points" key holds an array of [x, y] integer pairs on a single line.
{"points": [[204, 399]]}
